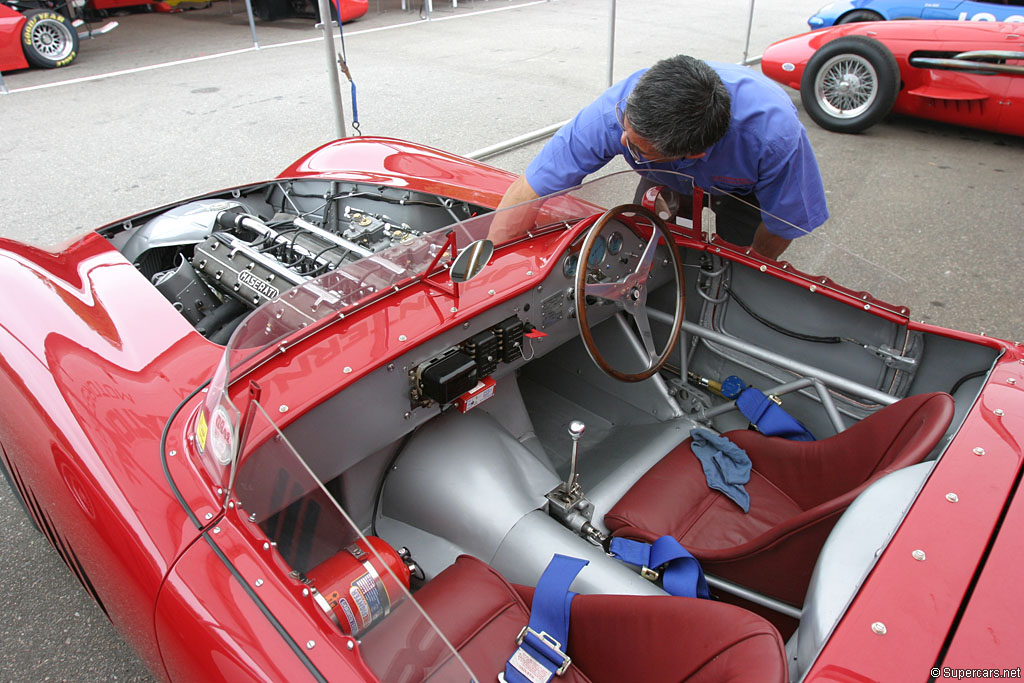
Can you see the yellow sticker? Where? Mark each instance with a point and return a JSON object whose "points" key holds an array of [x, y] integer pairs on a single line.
{"points": [[202, 430]]}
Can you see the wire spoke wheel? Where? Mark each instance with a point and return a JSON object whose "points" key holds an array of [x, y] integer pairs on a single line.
{"points": [[52, 39], [846, 86], [850, 84]]}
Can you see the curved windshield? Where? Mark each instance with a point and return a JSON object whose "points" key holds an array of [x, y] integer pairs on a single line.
{"points": [[338, 293]]}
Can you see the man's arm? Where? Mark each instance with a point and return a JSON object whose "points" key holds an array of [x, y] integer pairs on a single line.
{"points": [[768, 243], [511, 224]]}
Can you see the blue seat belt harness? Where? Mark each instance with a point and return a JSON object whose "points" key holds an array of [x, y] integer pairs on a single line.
{"points": [[764, 412], [679, 570], [543, 642]]}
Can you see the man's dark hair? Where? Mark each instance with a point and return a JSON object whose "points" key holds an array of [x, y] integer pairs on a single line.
{"points": [[680, 106]]}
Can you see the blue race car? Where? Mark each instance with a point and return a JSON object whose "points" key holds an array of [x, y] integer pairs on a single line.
{"points": [[847, 11]]}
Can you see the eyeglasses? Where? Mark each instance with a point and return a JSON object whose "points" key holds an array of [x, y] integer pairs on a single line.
{"points": [[638, 156]]}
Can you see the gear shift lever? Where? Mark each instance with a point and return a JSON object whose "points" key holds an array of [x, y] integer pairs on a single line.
{"points": [[567, 502], [576, 429]]}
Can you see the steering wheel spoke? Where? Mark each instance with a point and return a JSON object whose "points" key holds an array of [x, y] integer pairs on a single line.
{"points": [[643, 267], [612, 291], [643, 326], [630, 292]]}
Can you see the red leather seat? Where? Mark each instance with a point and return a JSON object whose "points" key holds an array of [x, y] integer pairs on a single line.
{"points": [[798, 489], [612, 638]]}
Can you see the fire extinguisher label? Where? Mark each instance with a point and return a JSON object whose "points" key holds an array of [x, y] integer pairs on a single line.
{"points": [[370, 598], [353, 625]]}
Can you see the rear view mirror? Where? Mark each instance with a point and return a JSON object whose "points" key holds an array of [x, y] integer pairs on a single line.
{"points": [[472, 260]]}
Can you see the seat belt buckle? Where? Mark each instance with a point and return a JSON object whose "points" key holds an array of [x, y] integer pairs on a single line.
{"points": [[649, 574], [550, 643]]}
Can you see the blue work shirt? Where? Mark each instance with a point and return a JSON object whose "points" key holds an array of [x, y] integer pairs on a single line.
{"points": [[764, 152]]}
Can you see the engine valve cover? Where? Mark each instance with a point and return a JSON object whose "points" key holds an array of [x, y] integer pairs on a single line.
{"points": [[238, 273]]}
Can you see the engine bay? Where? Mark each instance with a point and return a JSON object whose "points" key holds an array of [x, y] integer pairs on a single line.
{"points": [[216, 258]]}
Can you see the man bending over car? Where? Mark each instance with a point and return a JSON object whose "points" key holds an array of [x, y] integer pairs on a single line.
{"points": [[732, 129]]}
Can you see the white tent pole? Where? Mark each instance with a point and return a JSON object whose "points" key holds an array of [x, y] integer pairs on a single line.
{"points": [[750, 26], [332, 66], [611, 43], [252, 23]]}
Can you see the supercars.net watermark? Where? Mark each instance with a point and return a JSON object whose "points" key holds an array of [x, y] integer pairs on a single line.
{"points": [[961, 674]]}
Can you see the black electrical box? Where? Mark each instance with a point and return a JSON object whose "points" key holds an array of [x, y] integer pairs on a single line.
{"points": [[510, 338], [448, 377], [483, 347]]}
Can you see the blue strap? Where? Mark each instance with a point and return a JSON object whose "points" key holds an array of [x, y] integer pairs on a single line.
{"points": [[681, 575], [355, 108], [769, 417], [543, 643]]}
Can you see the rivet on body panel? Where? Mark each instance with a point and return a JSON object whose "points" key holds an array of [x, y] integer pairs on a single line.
{"points": [[878, 628]]}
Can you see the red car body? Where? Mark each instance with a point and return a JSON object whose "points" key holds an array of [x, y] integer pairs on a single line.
{"points": [[11, 55], [989, 101], [97, 434]]}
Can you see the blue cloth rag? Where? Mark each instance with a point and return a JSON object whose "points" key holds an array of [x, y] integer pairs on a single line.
{"points": [[726, 465]]}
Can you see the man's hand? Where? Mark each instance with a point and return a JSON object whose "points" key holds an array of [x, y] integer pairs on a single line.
{"points": [[513, 223], [768, 243]]}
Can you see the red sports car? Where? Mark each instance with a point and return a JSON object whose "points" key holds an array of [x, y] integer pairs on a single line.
{"points": [[851, 76], [39, 36], [320, 428]]}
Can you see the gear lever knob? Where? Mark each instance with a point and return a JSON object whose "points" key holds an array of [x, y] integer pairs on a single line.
{"points": [[576, 429]]}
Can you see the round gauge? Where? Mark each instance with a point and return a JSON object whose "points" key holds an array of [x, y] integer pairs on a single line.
{"points": [[615, 243], [597, 253], [569, 265]]}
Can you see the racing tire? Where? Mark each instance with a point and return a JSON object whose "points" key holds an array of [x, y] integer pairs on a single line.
{"points": [[48, 39], [860, 15], [850, 84]]}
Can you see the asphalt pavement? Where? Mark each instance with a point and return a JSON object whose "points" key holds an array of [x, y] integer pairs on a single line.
{"points": [[172, 105]]}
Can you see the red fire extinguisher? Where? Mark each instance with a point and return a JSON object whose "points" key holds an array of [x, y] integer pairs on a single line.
{"points": [[353, 587]]}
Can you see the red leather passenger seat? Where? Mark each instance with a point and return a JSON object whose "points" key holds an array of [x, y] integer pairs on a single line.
{"points": [[612, 638], [798, 490]]}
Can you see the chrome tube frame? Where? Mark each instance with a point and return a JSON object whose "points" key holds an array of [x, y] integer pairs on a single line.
{"points": [[753, 596], [823, 376]]}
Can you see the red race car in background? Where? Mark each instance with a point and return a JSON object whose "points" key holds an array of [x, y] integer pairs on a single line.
{"points": [[281, 432], [43, 33], [32, 34], [851, 76]]}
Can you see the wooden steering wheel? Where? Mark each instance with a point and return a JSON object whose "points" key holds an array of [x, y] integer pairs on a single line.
{"points": [[629, 293]]}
